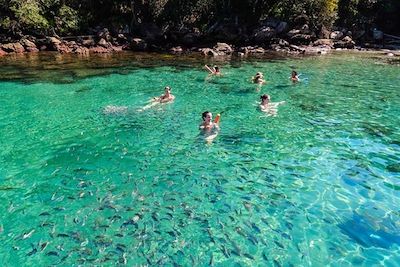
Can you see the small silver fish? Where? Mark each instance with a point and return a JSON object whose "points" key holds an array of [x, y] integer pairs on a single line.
{"points": [[27, 235]]}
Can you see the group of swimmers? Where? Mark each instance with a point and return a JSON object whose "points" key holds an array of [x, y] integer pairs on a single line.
{"points": [[211, 128]]}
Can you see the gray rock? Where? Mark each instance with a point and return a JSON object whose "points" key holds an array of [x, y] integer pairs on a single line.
{"points": [[223, 49]]}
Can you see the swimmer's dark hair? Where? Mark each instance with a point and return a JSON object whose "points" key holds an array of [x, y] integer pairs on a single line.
{"points": [[216, 68], [264, 96], [294, 72], [204, 114]]}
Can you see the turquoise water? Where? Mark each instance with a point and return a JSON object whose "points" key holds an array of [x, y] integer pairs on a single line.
{"points": [[316, 185]]}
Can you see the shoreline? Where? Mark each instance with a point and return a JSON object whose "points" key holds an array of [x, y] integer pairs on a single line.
{"points": [[302, 50], [105, 43]]}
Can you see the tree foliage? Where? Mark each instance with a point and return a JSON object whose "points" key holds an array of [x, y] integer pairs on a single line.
{"points": [[73, 16]]}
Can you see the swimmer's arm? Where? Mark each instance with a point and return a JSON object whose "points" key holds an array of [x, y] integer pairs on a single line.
{"points": [[209, 69]]}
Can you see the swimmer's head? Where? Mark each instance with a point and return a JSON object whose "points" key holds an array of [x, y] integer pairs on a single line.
{"points": [[265, 97], [294, 73], [216, 68], [167, 89], [206, 115]]}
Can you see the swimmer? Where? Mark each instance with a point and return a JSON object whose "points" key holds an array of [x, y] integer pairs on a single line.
{"points": [[214, 71], [209, 128], [269, 107], [167, 97], [294, 77], [259, 78]]}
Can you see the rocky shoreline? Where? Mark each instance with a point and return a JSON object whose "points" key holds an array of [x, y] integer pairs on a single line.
{"points": [[270, 36]]}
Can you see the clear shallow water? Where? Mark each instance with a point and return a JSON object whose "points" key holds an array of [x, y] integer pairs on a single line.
{"points": [[317, 185]]}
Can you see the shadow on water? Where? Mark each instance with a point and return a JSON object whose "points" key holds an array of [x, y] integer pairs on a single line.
{"points": [[363, 231], [46, 66]]}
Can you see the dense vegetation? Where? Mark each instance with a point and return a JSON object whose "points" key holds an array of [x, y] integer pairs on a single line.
{"points": [[66, 17]]}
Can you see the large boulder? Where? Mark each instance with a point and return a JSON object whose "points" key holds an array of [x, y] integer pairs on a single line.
{"points": [[301, 39], [223, 49], [28, 45], [263, 34], [346, 42], [190, 38], [151, 32], [227, 31], [13, 48], [138, 44]]}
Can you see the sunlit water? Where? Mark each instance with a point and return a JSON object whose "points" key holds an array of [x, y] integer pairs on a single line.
{"points": [[316, 185]]}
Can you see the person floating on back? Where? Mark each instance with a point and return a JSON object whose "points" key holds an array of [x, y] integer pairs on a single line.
{"points": [[208, 127], [269, 107], [294, 77], [214, 71], [259, 78], [167, 97]]}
